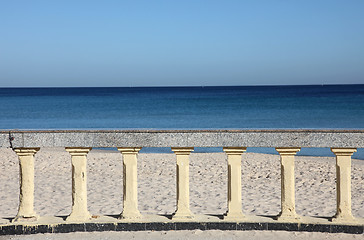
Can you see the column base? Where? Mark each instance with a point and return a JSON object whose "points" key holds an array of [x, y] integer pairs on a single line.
{"points": [[343, 219], [130, 216], [33, 218], [182, 216], [292, 217], [234, 216], [4, 221], [79, 218]]}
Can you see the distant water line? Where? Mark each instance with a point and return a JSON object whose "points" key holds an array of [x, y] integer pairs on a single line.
{"points": [[232, 107]]}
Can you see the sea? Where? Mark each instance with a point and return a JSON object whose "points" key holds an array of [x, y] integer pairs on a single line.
{"points": [[209, 107]]}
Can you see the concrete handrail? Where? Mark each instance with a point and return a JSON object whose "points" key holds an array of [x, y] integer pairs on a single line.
{"points": [[183, 138]]}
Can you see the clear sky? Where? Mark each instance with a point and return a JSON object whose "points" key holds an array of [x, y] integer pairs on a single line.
{"points": [[174, 43]]}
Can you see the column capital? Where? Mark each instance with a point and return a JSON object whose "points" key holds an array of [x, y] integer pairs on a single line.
{"points": [[343, 151], [234, 150], [288, 151], [130, 150], [182, 151], [26, 151], [78, 151]]}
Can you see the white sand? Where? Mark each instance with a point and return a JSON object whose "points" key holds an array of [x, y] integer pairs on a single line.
{"points": [[315, 185]]}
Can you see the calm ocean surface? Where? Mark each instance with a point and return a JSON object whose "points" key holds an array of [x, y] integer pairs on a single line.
{"points": [[328, 106]]}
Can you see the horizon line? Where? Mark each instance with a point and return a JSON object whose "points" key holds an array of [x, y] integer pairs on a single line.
{"points": [[191, 86]]}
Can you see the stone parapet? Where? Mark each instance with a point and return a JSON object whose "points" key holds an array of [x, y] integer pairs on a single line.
{"points": [[183, 138]]}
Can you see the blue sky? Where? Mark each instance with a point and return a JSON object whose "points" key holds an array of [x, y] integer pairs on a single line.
{"points": [[179, 43]]}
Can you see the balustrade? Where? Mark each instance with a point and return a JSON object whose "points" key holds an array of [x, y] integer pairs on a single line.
{"points": [[182, 150]]}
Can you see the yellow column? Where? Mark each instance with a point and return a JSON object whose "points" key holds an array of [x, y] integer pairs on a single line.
{"points": [[234, 205], [343, 184], [26, 199], [288, 209], [79, 185], [130, 183], [183, 184]]}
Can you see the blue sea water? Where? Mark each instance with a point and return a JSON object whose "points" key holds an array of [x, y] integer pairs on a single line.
{"points": [[233, 107]]}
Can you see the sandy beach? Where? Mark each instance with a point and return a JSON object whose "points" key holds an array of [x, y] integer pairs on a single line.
{"points": [[315, 188]]}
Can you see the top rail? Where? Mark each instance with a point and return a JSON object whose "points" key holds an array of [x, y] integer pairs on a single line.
{"points": [[183, 138]]}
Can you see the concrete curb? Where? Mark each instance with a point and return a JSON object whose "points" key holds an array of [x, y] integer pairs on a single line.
{"points": [[173, 226]]}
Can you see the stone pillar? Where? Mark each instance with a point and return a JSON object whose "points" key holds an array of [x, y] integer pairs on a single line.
{"points": [[183, 184], [288, 206], [130, 183], [343, 184], [26, 198], [79, 185], [234, 205]]}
